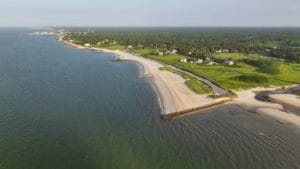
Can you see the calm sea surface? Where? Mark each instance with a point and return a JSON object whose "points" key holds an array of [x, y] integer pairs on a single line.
{"points": [[65, 108]]}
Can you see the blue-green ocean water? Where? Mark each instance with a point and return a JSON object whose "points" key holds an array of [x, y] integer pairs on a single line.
{"points": [[65, 108]]}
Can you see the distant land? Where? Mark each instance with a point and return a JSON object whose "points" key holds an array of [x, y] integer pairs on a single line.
{"points": [[210, 66]]}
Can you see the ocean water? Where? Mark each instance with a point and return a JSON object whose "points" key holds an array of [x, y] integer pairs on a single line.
{"points": [[65, 108]]}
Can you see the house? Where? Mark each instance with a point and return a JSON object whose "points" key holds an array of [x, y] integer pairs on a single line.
{"points": [[183, 60], [219, 51], [160, 53], [87, 45], [129, 47], [114, 43], [211, 63], [174, 52], [190, 52], [207, 60], [168, 52], [100, 43], [229, 62], [225, 50], [199, 61], [268, 50]]}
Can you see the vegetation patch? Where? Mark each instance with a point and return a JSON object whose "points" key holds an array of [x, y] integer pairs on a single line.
{"points": [[251, 78], [264, 65]]}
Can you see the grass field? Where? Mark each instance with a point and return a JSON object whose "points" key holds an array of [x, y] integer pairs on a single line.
{"points": [[225, 76]]}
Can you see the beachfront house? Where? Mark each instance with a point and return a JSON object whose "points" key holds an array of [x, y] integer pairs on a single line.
{"points": [[183, 60], [87, 45]]}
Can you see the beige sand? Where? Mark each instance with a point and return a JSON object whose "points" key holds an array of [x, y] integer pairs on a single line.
{"points": [[289, 100], [248, 101], [174, 94]]}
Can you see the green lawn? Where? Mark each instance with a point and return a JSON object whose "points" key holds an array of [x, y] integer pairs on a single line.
{"points": [[225, 76]]}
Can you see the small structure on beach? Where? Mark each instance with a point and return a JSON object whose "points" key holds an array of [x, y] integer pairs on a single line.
{"points": [[183, 60]]}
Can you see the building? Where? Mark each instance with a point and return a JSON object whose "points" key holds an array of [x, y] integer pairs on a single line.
{"points": [[199, 61], [174, 52], [87, 45], [219, 51], [211, 63], [129, 47], [225, 50], [183, 60], [168, 52], [207, 60], [160, 53], [229, 62]]}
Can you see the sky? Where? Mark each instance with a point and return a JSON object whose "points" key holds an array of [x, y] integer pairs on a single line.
{"points": [[244, 13]]}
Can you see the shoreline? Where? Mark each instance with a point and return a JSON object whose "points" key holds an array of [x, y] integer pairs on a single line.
{"points": [[247, 99], [174, 97], [172, 101]]}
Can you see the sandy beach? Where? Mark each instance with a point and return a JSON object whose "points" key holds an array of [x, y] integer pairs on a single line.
{"points": [[174, 95], [289, 100], [247, 99]]}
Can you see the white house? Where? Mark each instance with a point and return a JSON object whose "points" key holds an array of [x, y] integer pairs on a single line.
{"points": [[219, 51], [160, 53], [130, 47], [211, 63], [87, 45], [225, 50], [183, 60], [207, 60], [229, 62], [199, 61], [174, 52], [168, 52]]}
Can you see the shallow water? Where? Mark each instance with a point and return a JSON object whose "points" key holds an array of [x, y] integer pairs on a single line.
{"points": [[65, 108]]}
